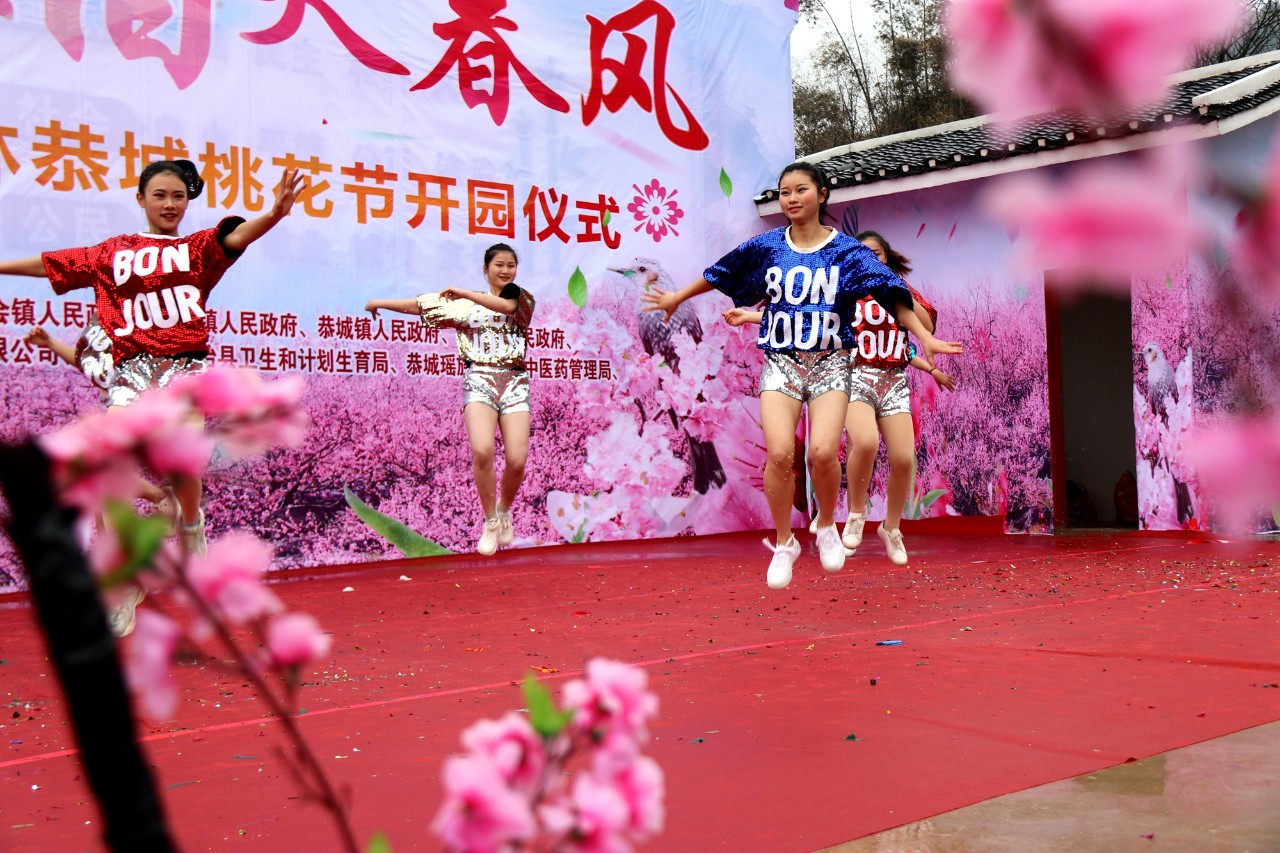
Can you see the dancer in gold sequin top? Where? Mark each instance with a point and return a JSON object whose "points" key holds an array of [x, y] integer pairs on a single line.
{"points": [[493, 328]]}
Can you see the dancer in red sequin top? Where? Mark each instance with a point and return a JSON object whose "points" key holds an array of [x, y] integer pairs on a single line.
{"points": [[150, 289]]}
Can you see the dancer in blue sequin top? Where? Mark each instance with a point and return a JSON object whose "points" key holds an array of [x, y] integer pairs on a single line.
{"points": [[808, 277]]}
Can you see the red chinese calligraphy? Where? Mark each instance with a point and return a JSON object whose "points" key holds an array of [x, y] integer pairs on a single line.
{"points": [[480, 18], [71, 155], [598, 213], [491, 209], [131, 23], [62, 17], [367, 55], [542, 201], [629, 83]]}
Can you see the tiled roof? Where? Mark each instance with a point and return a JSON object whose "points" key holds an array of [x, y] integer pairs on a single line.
{"points": [[967, 143]]}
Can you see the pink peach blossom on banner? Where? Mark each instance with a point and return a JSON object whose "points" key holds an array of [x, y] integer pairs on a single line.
{"points": [[479, 811], [1239, 465], [1101, 57], [295, 639], [1101, 224], [147, 655]]}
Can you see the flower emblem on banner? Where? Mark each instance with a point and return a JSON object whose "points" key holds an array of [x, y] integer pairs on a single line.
{"points": [[655, 210]]}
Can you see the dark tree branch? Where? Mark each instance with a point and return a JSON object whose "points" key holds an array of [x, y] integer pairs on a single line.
{"points": [[83, 651]]}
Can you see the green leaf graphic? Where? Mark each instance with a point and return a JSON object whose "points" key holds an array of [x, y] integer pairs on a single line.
{"points": [[726, 185], [608, 214], [578, 288], [378, 844], [409, 542]]}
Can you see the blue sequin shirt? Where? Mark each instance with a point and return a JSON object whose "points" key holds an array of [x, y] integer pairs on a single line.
{"points": [[808, 294]]}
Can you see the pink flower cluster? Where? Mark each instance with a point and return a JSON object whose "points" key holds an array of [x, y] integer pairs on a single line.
{"points": [[251, 415], [509, 791], [98, 456], [227, 587], [101, 458], [1100, 57], [1103, 222]]}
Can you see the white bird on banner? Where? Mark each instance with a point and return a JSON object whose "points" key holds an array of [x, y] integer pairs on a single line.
{"points": [[1162, 396], [655, 336], [1162, 384]]}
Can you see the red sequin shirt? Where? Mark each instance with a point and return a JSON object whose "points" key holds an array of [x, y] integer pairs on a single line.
{"points": [[150, 289], [878, 340]]}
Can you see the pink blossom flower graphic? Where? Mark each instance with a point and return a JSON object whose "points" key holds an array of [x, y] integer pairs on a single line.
{"points": [[656, 210]]}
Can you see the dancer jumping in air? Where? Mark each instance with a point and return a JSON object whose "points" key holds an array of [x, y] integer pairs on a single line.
{"points": [[810, 277], [493, 328], [880, 404], [150, 289]]}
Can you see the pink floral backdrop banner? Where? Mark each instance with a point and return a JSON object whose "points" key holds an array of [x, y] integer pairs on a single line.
{"points": [[617, 145]]}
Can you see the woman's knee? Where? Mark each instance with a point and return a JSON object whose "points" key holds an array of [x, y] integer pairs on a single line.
{"points": [[781, 458], [515, 463], [901, 461], [824, 454], [863, 446], [482, 456]]}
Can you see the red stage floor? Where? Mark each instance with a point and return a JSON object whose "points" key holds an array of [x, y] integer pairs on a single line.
{"points": [[1023, 660]]}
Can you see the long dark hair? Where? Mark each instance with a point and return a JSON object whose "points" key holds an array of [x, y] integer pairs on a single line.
{"points": [[185, 171], [819, 180], [496, 249], [895, 261]]}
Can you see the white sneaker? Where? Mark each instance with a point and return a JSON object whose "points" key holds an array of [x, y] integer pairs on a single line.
{"points": [[506, 533], [123, 616], [192, 537], [830, 549], [489, 538], [852, 537], [784, 557], [813, 524], [893, 545]]}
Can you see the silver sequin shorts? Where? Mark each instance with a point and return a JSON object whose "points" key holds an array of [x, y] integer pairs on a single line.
{"points": [[143, 372], [884, 389], [805, 375], [504, 389]]}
